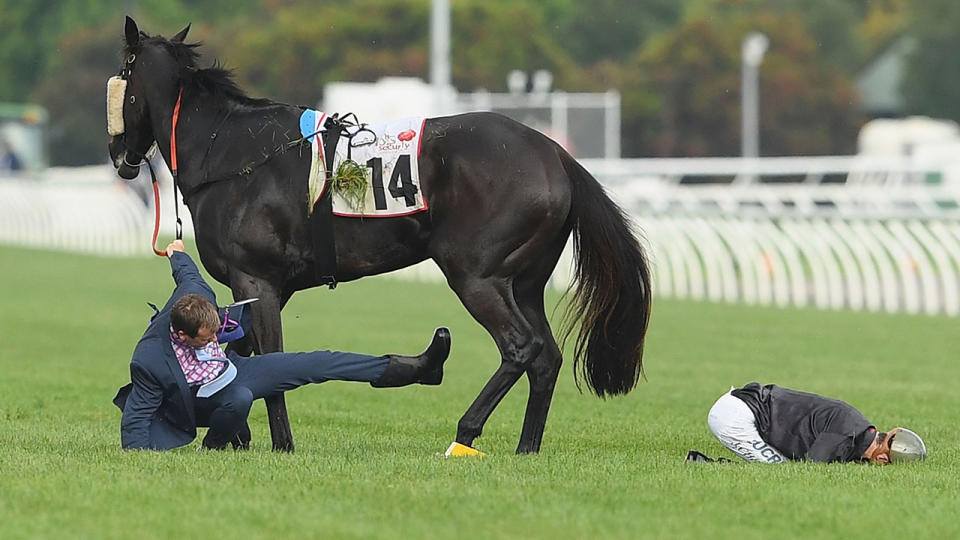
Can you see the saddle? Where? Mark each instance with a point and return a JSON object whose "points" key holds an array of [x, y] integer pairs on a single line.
{"points": [[389, 151]]}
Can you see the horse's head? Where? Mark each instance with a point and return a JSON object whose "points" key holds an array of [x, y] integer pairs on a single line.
{"points": [[143, 93]]}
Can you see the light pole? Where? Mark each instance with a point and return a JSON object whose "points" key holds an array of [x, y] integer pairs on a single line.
{"points": [[752, 49], [440, 53]]}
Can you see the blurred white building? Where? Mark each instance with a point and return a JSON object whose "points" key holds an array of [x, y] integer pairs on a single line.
{"points": [[586, 124], [931, 144]]}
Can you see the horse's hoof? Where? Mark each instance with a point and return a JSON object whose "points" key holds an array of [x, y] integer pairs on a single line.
{"points": [[286, 448]]}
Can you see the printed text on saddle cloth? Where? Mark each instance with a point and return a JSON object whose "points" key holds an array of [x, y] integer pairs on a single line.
{"points": [[389, 155]]}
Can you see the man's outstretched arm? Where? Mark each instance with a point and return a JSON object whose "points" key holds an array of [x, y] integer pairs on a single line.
{"points": [[186, 274]]}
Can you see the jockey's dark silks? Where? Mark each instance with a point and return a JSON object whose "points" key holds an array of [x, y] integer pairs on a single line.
{"points": [[807, 426]]}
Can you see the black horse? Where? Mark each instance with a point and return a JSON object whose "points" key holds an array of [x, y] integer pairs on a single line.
{"points": [[503, 200]]}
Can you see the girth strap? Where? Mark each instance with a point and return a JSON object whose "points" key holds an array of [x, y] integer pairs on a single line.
{"points": [[321, 220]]}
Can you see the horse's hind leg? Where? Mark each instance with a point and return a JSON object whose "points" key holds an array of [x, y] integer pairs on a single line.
{"points": [[543, 369], [491, 302], [542, 372]]}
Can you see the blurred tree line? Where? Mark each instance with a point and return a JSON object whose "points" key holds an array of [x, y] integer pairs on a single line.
{"points": [[675, 62]]}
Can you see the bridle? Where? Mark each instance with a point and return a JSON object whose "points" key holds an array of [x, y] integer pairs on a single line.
{"points": [[144, 156], [128, 152]]}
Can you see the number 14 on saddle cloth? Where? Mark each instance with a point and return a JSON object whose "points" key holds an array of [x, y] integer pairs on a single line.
{"points": [[388, 152]]}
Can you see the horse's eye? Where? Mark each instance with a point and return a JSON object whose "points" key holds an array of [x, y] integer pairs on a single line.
{"points": [[133, 99]]}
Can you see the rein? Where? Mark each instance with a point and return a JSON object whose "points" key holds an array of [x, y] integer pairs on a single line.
{"points": [[156, 187], [173, 135], [340, 123], [334, 122], [156, 206]]}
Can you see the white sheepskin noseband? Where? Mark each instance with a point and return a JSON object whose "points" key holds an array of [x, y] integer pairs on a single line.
{"points": [[116, 90]]}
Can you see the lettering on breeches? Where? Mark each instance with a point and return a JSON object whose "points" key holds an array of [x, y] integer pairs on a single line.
{"points": [[766, 451]]}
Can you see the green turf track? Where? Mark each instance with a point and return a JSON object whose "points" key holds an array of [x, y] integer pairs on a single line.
{"points": [[366, 464]]}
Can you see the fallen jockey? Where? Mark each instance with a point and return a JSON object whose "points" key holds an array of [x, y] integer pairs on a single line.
{"points": [[772, 424]]}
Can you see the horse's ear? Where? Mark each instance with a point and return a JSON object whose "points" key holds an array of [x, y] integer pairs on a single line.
{"points": [[181, 35], [131, 32]]}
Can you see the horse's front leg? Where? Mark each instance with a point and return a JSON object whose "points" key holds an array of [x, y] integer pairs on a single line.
{"points": [[267, 338]]}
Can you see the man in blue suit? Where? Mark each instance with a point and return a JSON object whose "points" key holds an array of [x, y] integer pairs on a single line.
{"points": [[181, 378]]}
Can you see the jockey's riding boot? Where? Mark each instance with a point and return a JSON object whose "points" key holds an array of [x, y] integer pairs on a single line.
{"points": [[425, 368]]}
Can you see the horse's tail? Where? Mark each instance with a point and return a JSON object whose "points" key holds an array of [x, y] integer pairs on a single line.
{"points": [[612, 296]]}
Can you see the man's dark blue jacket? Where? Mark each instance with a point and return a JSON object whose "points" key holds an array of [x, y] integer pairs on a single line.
{"points": [[158, 408]]}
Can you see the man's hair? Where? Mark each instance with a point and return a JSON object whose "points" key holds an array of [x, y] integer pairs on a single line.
{"points": [[192, 312]]}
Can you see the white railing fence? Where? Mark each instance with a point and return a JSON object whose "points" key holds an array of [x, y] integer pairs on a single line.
{"points": [[882, 238], [830, 263], [81, 210]]}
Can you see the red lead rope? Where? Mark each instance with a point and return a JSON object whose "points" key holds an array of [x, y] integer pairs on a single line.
{"points": [[173, 136], [156, 221], [173, 171]]}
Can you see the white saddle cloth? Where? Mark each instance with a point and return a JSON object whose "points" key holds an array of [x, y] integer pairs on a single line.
{"points": [[389, 154]]}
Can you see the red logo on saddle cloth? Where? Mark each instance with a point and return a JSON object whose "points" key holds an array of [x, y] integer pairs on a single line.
{"points": [[407, 135]]}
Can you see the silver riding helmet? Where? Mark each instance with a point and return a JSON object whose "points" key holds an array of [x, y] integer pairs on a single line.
{"points": [[907, 446]]}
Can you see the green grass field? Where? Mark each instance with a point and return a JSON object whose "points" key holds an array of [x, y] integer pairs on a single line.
{"points": [[367, 463]]}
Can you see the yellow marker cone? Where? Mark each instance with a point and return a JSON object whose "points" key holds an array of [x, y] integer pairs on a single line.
{"points": [[457, 450]]}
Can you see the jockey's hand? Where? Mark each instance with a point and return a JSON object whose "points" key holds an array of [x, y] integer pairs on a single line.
{"points": [[176, 245]]}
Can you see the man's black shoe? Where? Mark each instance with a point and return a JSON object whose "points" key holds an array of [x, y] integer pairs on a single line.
{"points": [[425, 368]]}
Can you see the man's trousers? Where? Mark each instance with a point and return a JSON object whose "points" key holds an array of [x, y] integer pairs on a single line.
{"points": [[225, 412]]}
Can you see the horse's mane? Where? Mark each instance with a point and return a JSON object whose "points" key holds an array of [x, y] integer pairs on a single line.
{"points": [[215, 80]]}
